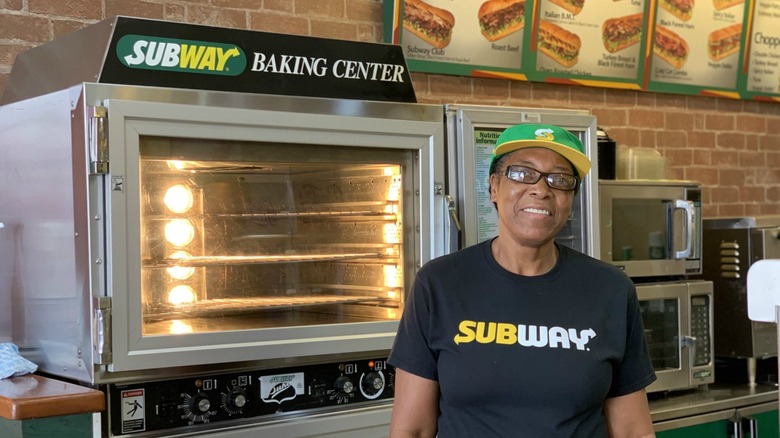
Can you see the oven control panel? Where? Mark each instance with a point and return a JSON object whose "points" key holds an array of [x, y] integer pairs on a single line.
{"points": [[185, 402]]}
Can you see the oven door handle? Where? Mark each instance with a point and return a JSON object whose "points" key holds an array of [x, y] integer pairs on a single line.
{"points": [[687, 227], [749, 427], [689, 342], [734, 428]]}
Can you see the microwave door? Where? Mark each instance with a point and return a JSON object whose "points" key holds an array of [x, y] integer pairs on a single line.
{"points": [[641, 235]]}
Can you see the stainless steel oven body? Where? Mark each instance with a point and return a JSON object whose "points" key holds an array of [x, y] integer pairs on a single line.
{"points": [[678, 322], [651, 229], [258, 247], [731, 246]]}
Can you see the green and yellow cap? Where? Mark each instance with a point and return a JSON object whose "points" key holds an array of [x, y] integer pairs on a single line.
{"points": [[555, 138]]}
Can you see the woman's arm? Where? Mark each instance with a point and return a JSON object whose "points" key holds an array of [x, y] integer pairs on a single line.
{"points": [[628, 416], [415, 408]]}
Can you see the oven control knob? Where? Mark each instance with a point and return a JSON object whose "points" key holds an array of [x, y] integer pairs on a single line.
{"points": [[200, 403], [372, 384], [343, 384], [236, 399]]}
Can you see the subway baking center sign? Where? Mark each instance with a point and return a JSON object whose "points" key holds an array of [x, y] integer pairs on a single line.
{"points": [[179, 55]]}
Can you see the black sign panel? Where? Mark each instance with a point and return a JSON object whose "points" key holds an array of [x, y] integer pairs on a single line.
{"points": [[178, 55]]}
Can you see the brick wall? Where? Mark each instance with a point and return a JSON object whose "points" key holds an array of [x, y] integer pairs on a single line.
{"points": [[731, 146]]}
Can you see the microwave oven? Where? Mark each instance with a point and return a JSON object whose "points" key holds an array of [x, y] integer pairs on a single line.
{"points": [[678, 324], [651, 229]]}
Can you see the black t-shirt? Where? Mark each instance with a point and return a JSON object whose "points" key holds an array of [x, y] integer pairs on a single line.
{"points": [[520, 356]]}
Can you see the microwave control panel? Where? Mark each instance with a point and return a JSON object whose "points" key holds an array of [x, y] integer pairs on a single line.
{"points": [[221, 398], [700, 328]]}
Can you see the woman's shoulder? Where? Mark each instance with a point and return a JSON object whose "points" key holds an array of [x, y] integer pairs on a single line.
{"points": [[585, 263], [459, 259]]}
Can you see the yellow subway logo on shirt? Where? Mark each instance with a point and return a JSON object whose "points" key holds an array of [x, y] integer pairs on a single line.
{"points": [[525, 335], [155, 53]]}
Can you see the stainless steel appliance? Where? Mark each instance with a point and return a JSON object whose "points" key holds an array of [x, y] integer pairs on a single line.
{"points": [[472, 131], [220, 263], [731, 246], [678, 321], [651, 228]]}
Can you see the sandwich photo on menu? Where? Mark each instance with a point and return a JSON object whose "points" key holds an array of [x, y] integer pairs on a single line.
{"points": [[433, 25], [558, 43], [499, 18], [573, 6], [719, 5], [670, 47], [682, 9], [621, 32], [724, 42]]}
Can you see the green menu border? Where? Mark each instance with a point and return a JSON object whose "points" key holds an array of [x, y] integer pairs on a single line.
{"points": [[393, 14]]}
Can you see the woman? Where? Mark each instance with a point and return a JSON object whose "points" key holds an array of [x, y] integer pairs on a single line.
{"points": [[518, 336]]}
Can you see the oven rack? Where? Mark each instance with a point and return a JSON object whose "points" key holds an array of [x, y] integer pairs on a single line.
{"points": [[229, 306], [313, 214], [205, 261]]}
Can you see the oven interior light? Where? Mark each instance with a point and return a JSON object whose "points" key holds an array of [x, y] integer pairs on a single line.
{"points": [[392, 279], [175, 164], [179, 232], [392, 233], [180, 272], [178, 198], [180, 327], [394, 191], [181, 294]]}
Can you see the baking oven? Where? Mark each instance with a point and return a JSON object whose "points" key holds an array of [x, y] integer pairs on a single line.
{"points": [[219, 262]]}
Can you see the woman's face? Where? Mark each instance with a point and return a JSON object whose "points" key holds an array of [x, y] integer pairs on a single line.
{"points": [[531, 214]]}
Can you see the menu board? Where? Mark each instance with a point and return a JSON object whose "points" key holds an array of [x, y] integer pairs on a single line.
{"points": [[727, 48], [696, 46], [457, 36], [762, 63], [589, 39]]}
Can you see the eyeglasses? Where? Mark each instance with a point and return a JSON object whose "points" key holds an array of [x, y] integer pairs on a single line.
{"points": [[527, 175]]}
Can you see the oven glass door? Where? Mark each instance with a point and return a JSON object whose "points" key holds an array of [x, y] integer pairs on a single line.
{"points": [[472, 132], [663, 307], [247, 235], [235, 239]]}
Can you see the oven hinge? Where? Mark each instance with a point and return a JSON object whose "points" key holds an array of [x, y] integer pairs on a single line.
{"points": [[102, 330], [98, 140]]}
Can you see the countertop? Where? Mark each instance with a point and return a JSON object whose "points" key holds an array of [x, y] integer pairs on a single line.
{"points": [[716, 397], [33, 396]]}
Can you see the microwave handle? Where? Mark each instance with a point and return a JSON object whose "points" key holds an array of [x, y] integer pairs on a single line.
{"points": [[688, 227]]}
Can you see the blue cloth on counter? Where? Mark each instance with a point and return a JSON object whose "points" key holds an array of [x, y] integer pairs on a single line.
{"points": [[12, 363]]}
